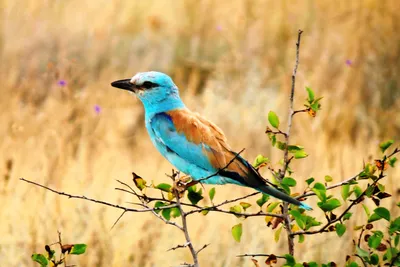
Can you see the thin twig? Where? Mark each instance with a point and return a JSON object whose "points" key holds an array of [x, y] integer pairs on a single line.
{"points": [[259, 255], [203, 247], [286, 160], [179, 246], [185, 229], [347, 181]]}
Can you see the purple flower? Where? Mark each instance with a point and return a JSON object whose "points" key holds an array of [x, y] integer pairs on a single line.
{"points": [[97, 109], [349, 62], [62, 83]]}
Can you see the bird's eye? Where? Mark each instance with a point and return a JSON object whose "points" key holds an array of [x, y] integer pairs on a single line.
{"points": [[148, 85]]}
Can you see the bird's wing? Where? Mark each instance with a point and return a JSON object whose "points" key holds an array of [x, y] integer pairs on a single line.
{"points": [[202, 143]]}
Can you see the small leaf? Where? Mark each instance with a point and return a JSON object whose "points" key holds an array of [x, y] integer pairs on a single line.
{"points": [[139, 182], [271, 207], [290, 261], [383, 213], [293, 148], [320, 190], [289, 181], [301, 238], [175, 212], [166, 213], [273, 119], [345, 191], [392, 161], [311, 95], [374, 217], [78, 249], [366, 209], [245, 205], [310, 181], [300, 154], [272, 259], [347, 216], [385, 145], [261, 201], [298, 218], [361, 252], [277, 234], [330, 204], [328, 178], [205, 212], [374, 259], [194, 196], [281, 145], [41, 259], [340, 229], [260, 161], [237, 232], [164, 187], [374, 241], [211, 193]]}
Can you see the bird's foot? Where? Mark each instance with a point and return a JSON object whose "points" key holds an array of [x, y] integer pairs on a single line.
{"points": [[183, 183]]}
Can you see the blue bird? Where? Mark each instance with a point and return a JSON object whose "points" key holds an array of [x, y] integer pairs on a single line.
{"points": [[194, 145]]}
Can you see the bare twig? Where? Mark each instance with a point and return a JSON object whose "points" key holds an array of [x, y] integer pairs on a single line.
{"points": [[286, 160], [259, 255], [179, 246], [203, 247]]}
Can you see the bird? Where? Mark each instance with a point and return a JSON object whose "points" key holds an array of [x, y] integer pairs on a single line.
{"points": [[193, 144]]}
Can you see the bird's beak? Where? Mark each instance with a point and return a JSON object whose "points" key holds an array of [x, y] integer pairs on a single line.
{"points": [[124, 84]]}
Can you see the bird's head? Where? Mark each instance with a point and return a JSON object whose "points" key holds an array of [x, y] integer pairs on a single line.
{"points": [[152, 87]]}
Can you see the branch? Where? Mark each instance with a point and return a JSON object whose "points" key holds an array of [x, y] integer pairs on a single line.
{"points": [[259, 255], [286, 159], [347, 181]]}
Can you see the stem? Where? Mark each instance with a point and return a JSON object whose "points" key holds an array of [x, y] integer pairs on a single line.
{"points": [[286, 159]]}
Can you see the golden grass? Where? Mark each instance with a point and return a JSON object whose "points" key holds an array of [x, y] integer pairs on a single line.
{"points": [[233, 61]]}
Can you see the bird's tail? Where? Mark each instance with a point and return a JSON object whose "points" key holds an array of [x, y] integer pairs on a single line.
{"points": [[282, 196]]}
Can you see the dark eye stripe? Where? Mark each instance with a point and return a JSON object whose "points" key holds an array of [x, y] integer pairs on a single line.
{"points": [[148, 85]]}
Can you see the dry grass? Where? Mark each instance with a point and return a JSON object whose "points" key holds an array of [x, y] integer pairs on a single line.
{"points": [[233, 61]]}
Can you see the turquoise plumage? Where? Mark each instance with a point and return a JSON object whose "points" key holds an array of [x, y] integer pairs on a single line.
{"points": [[194, 145]]}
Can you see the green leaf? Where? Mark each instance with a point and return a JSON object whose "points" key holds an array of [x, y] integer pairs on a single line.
{"points": [[164, 187], [260, 160], [298, 218], [330, 204], [158, 205], [205, 212], [166, 213], [271, 207], [385, 145], [392, 161], [139, 182], [347, 216], [78, 249], [41, 259], [300, 154], [374, 217], [273, 119], [194, 196], [361, 252], [383, 213], [320, 190], [245, 205], [374, 240], [357, 190], [340, 229], [310, 181], [394, 226], [289, 181], [311, 95], [236, 208], [293, 148], [237, 232], [366, 209], [175, 212], [261, 201], [281, 145], [301, 240], [211, 193], [374, 259], [290, 261], [328, 178], [353, 264], [345, 191]]}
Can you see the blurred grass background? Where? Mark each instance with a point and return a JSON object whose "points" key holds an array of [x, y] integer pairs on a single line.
{"points": [[64, 126]]}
